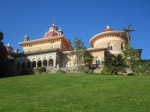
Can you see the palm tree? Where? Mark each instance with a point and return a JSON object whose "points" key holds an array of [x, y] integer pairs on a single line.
{"points": [[128, 30], [114, 64]]}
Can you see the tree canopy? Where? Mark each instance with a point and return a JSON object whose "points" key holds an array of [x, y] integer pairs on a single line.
{"points": [[114, 64], [83, 56], [3, 57]]}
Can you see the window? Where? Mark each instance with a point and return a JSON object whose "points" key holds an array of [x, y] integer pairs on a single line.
{"points": [[121, 46], [39, 64], [28, 64], [97, 61], [51, 62], [23, 65], [33, 64], [45, 62], [110, 47], [18, 66]]}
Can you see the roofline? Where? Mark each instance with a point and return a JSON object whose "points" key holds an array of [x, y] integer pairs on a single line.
{"points": [[89, 49], [107, 32], [42, 39], [115, 31], [37, 52]]}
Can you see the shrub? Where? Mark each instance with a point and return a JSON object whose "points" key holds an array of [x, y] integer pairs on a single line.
{"points": [[142, 68], [87, 70], [24, 72], [60, 71], [40, 70], [114, 64], [91, 71]]}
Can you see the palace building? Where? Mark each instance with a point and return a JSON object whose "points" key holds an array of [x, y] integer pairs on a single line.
{"points": [[52, 50]]}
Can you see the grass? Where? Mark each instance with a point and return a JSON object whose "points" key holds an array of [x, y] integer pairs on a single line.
{"points": [[75, 93]]}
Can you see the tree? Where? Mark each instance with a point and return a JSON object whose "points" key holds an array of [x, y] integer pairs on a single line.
{"points": [[142, 68], [132, 56], [87, 58], [3, 57], [1, 36], [114, 64], [128, 30], [77, 49]]}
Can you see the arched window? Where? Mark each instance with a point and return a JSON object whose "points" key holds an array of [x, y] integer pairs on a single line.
{"points": [[28, 64], [67, 64], [98, 61], [122, 46], [33, 64], [23, 65], [18, 66], [45, 62], [51, 62], [39, 63], [110, 46]]}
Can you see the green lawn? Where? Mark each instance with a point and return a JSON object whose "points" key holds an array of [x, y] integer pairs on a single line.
{"points": [[75, 93]]}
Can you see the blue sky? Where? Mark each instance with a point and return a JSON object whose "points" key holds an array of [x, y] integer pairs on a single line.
{"points": [[78, 18]]}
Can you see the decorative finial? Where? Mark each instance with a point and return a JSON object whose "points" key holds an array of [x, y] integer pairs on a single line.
{"points": [[60, 31], [107, 26], [8, 44], [26, 37], [53, 20]]}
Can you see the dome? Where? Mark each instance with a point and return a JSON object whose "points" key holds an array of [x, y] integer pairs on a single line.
{"points": [[51, 34], [108, 29], [9, 48], [53, 31], [53, 28]]}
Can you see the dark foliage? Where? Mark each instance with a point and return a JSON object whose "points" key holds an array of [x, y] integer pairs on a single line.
{"points": [[40, 70], [60, 71], [3, 58], [114, 64], [24, 72]]}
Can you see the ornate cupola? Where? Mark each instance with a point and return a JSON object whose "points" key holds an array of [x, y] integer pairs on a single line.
{"points": [[108, 29], [53, 31], [53, 28], [26, 38], [9, 48]]}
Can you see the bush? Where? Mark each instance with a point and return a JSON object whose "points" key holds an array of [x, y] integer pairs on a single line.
{"points": [[142, 68], [40, 70], [87, 70], [91, 72], [60, 71], [24, 72]]}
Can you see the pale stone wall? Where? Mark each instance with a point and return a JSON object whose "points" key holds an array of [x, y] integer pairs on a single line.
{"points": [[37, 57], [98, 56], [72, 60], [114, 41], [43, 46]]}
